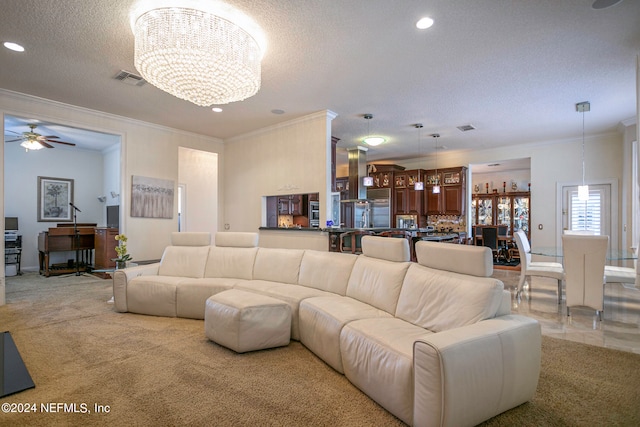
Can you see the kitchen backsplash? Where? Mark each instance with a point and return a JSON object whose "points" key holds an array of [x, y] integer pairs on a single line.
{"points": [[447, 222]]}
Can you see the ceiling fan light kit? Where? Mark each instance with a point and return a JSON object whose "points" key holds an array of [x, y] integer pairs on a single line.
{"points": [[34, 141], [203, 52]]}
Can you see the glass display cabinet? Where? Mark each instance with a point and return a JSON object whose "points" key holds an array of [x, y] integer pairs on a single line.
{"points": [[510, 209], [482, 210]]}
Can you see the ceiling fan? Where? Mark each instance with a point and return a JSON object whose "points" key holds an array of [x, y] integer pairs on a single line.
{"points": [[34, 141]]}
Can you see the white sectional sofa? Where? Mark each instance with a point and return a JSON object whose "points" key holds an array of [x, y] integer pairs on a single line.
{"points": [[433, 342]]}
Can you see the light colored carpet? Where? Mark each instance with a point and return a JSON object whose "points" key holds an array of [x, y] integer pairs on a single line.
{"points": [[163, 371]]}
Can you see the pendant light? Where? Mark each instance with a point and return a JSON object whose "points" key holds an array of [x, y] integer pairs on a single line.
{"points": [[371, 140], [583, 190], [436, 187], [419, 184]]}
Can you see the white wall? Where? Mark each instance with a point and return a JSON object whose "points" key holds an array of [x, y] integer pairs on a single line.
{"points": [[289, 158], [198, 171], [111, 182]]}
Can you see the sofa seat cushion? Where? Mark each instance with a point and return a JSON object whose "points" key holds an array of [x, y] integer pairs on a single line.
{"points": [[322, 319], [184, 261], [377, 355], [291, 294], [439, 300], [154, 295], [192, 294]]}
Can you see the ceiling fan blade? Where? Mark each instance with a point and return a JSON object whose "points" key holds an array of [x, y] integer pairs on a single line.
{"points": [[9, 130], [51, 136], [44, 143], [62, 142], [14, 140]]}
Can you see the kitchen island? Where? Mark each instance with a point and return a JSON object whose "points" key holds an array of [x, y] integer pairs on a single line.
{"points": [[416, 233], [329, 238]]}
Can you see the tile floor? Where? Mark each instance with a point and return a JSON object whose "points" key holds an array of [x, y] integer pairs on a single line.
{"points": [[619, 329]]}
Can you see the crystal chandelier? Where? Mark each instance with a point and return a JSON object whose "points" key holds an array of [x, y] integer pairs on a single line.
{"points": [[205, 52]]}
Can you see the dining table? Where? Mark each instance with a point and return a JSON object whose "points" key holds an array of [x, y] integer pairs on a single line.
{"points": [[612, 254]]}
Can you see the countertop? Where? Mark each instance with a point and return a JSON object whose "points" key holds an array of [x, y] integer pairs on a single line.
{"points": [[291, 229], [436, 234]]}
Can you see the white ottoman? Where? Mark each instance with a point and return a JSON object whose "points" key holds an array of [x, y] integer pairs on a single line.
{"points": [[244, 321]]}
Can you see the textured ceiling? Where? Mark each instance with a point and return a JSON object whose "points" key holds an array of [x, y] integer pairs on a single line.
{"points": [[513, 69]]}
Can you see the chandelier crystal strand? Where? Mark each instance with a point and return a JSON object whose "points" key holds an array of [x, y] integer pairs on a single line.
{"points": [[196, 55]]}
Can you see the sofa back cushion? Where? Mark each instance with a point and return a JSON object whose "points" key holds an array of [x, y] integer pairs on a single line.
{"points": [[236, 239], [184, 261], [377, 282], [389, 248], [190, 238], [277, 265], [327, 271], [473, 260], [438, 300], [230, 262]]}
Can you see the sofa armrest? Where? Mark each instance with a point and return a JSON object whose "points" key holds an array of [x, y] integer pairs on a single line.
{"points": [[121, 280], [467, 375]]}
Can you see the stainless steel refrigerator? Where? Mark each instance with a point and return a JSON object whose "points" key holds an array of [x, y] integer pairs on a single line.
{"points": [[379, 207]]}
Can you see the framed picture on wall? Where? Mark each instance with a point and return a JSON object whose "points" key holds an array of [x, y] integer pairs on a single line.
{"points": [[151, 197], [54, 196]]}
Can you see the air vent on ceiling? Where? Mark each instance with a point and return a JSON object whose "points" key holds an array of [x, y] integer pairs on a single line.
{"points": [[465, 128], [130, 78]]}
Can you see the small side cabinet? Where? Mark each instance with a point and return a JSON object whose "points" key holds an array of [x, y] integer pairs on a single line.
{"points": [[105, 247]]}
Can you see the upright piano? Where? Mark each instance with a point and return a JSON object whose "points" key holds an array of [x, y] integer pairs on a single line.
{"points": [[63, 238]]}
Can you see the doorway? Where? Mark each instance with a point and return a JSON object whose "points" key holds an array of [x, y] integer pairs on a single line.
{"points": [[198, 173], [598, 213], [92, 164]]}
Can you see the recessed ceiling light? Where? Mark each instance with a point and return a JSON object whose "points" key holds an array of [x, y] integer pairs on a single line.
{"points": [[424, 23], [216, 110], [13, 46]]}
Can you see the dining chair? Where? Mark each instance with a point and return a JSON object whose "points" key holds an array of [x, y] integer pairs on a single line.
{"points": [[528, 268], [627, 276], [351, 241], [584, 259], [490, 240]]}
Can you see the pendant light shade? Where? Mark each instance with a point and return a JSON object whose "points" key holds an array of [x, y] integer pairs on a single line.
{"points": [[436, 187], [419, 184], [371, 140]]}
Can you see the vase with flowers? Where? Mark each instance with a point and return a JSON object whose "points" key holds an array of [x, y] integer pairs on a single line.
{"points": [[121, 250]]}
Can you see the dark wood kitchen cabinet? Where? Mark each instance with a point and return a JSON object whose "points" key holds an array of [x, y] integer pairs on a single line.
{"points": [[451, 199], [291, 205]]}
